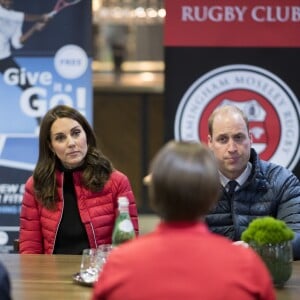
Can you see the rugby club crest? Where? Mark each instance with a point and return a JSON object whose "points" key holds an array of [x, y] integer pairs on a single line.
{"points": [[271, 106]]}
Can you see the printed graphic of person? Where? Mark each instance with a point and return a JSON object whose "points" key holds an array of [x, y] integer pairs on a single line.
{"points": [[11, 35]]}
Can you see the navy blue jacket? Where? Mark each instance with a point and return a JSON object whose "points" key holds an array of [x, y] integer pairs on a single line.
{"points": [[270, 190], [4, 284]]}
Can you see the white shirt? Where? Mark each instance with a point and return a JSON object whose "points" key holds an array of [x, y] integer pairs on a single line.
{"points": [[10, 30], [240, 180]]}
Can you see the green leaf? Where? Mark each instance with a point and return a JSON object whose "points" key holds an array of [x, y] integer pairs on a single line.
{"points": [[267, 230]]}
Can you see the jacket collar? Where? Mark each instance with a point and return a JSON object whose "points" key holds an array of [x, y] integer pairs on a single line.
{"points": [[257, 172]]}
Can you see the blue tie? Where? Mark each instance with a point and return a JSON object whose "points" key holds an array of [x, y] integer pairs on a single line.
{"points": [[231, 187]]}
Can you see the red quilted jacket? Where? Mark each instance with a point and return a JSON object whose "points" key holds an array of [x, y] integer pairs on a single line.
{"points": [[38, 225]]}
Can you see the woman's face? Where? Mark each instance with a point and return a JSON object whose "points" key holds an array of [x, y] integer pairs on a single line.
{"points": [[68, 142]]}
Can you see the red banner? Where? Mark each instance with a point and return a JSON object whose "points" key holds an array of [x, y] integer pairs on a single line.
{"points": [[241, 52], [244, 23]]}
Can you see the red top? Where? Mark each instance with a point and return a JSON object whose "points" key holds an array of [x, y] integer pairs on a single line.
{"points": [[98, 211], [183, 261]]}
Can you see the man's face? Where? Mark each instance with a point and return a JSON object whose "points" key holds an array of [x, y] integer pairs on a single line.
{"points": [[230, 143]]}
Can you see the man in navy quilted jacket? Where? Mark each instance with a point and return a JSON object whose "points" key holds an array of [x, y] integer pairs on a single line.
{"points": [[251, 187]]}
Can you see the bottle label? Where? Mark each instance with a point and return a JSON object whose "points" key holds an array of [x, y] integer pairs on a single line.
{"points": [[126, 226]]}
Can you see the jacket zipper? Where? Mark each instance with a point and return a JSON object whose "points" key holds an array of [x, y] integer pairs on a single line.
{"points": [[63, 206], [93, 231]]}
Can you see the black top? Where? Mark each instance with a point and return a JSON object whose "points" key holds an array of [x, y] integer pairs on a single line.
{"points": [[71, 236]]}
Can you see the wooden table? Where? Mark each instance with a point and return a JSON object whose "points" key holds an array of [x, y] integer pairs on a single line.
{"points": [[43, 277], [291, 290], [49, 277]]}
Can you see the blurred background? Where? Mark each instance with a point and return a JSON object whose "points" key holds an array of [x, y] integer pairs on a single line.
{"points": [[128, 86]]}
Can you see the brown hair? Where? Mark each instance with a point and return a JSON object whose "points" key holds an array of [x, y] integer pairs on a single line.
{"points": [[184, 181], [97, 168], [225, 108]]}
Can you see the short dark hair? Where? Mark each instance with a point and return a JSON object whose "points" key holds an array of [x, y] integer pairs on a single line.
{"points": [[228, 108], [184, 181]]}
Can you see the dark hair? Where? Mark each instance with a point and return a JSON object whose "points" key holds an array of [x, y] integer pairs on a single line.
{"points": [[226, 108], [184, 181], [97, 168]]}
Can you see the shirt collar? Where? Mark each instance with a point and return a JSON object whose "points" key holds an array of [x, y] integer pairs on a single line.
{"points": [[241, 179]]}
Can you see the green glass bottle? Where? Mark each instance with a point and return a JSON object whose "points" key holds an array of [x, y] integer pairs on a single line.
{"points": [[123, 230]]}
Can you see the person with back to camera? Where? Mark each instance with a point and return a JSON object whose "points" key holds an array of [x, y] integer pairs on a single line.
{"points": [[181, 258], [70, 201], [263, 188], [5, 288]]}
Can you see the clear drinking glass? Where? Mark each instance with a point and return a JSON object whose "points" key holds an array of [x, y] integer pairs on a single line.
{"points": [[90, 265], [103, 252]]}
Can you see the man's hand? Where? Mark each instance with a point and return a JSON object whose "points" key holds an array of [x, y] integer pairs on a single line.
{"points": [[241, 243], [46, 17], [38, 26]]}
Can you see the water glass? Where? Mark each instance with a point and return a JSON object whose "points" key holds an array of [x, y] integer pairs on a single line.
{"points": [[103, 251], [90, 265]]}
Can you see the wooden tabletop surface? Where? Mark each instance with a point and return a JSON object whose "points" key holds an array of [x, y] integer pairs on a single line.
{"points": [[291, 290], [45, 277]]}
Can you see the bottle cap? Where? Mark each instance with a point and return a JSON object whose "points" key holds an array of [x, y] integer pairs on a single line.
{"points": [[123, 201]]}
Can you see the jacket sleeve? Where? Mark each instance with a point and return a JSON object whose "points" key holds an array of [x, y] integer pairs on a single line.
{"points": [[30, 230], [5, 286], [288, 209], [122, 187]]}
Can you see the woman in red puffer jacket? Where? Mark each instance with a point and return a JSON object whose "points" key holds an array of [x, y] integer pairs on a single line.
{"points": [[70, 201]]}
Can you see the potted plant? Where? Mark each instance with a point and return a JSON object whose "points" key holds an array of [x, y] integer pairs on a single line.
{"points": [[271, 239]]}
